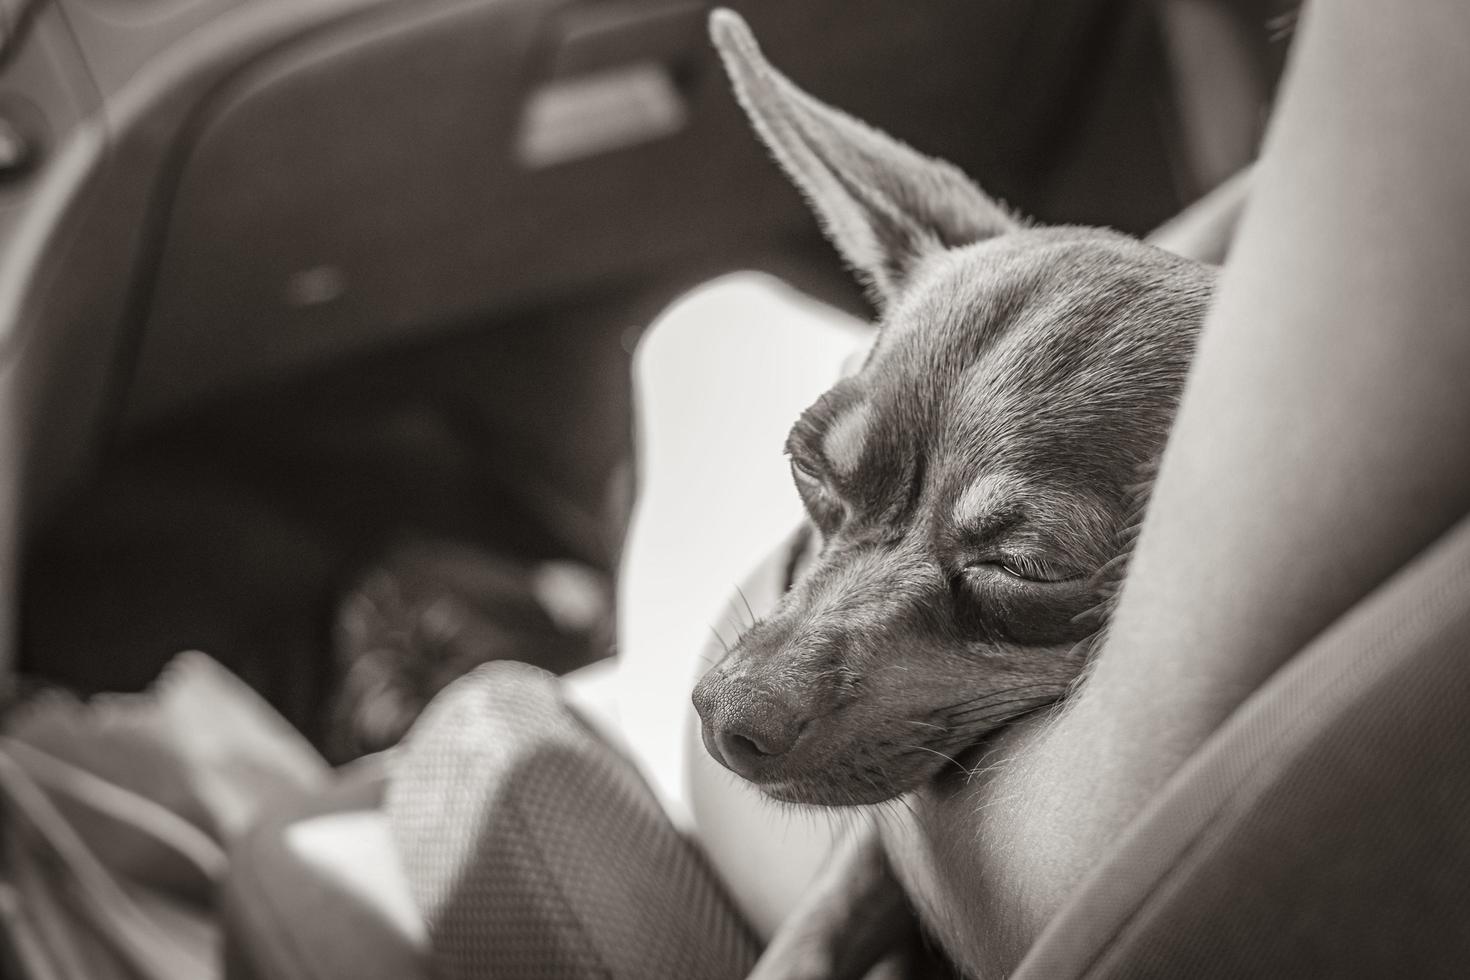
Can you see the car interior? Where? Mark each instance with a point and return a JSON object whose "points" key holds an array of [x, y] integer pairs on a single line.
{"points": [[287, 286]]}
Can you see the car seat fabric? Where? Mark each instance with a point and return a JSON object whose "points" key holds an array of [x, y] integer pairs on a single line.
{"points": [[534, 850], [1324, 830], [288, 911]]}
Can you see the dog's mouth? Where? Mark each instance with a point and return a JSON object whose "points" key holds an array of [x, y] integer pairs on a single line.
{"points": [[882, 763], [808, 793]]}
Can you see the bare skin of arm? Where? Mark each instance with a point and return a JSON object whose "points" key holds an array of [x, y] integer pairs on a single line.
{"points": [[1323, 440]]}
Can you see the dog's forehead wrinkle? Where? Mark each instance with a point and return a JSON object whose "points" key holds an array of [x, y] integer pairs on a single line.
{"points": [[874, 578], [1072, 369], [1065, 522], [995, 318], [977, 501], [846, 437], [859, 593], [814, 421]]}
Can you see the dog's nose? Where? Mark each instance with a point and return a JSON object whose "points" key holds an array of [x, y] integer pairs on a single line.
{"points": [[744, 730], [746, 750]]}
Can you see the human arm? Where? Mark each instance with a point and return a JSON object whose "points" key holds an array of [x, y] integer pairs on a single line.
{"points": [[1323, 439]]}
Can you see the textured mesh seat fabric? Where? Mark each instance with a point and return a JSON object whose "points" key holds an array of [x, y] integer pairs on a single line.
{"points": [[1324, 830], [534, 850], [503, 840]]}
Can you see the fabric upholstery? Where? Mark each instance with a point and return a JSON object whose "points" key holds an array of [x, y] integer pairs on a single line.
{"points": [[534, 850], [287, 916], [1324, 830], [530, 846]]}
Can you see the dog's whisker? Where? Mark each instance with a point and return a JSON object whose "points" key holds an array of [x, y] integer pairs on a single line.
{"points": [[877, 791], [748, 610], [1097, 611], [1083, 647], [993, 694], [974, 728], [1112, 563], [1002, 710], [987, 765], [732, 620], [932, 751], [963, 708]]}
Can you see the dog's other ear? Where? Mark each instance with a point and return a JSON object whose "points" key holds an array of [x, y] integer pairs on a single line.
{"points": [[882, 204]]}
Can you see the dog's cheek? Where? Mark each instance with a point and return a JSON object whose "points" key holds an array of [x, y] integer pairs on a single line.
{"points": [[804, 548], [1051, 616], [1029, 616], [978, 618]]}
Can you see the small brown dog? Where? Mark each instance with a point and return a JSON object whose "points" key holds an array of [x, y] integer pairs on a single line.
{"points": [[973, 488]]}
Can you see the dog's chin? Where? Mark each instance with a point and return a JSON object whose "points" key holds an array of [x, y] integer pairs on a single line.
{"points": [[827, 793], [841, 769], [830, 787]]}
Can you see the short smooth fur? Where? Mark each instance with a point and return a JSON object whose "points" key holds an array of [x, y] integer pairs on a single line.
{"points": [[972, 489]]}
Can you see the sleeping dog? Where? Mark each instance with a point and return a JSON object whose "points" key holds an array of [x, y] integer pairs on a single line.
{"points": [[972, 490]]}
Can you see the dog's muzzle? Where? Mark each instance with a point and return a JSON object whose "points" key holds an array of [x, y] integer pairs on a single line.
{"points": [[748, 730]]}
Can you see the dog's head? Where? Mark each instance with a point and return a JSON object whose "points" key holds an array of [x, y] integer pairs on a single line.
{"points": [[968, 487]]}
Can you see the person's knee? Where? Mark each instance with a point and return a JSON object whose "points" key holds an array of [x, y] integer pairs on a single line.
{"points": [[695, 322], [743, 313]]}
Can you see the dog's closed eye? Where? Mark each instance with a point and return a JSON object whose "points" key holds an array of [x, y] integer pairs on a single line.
{"points": [[1024, 568], [827, 510], [1019, 599]]}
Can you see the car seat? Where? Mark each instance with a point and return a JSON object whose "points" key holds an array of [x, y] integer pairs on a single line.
{"points": [[133, 290]]}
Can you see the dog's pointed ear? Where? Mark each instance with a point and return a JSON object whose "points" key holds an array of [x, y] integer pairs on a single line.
{"points": [[883, 204]]}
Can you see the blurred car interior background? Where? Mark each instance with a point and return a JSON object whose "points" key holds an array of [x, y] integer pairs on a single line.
{"points": [[318, 313]]}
